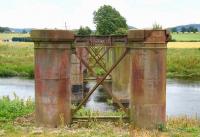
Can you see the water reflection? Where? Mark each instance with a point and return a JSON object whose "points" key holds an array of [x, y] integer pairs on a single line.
{"points": [[98, 100]]}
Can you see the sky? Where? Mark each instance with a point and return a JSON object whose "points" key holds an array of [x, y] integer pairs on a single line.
{"points": [[138, 13]]}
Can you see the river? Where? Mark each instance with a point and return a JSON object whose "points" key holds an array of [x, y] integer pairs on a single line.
{"points": [[183, 96]]}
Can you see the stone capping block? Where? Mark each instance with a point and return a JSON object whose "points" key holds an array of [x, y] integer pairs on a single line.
{"points": [[148, 36], [43, 35]]}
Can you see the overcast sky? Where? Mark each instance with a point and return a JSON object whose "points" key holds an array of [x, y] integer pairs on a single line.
{"points": [[54, 13]]}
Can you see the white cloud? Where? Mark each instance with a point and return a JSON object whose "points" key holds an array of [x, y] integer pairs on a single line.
{"points": [[53, 14]]}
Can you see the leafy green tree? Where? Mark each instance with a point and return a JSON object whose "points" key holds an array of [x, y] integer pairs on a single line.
{"points": [[192, 29], [121, 31], [174, 30], [84, 31], [4, 29], [195, 30], [108, 20], [183, 29]]}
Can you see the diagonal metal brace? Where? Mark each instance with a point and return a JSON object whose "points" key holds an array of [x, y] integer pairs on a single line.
{"points": [[100, 82], [96, 60], [86, 65], [106, 51]]}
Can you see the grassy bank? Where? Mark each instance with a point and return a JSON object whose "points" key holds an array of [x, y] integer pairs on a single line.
{"points": [[17, 119], [16, 59], [183, 37], [183, 60], [183, 63]]}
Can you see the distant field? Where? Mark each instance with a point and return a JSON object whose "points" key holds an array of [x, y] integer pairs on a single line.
{"points": [[183, 45], [11, 35], [191, 37], [16, 59]]}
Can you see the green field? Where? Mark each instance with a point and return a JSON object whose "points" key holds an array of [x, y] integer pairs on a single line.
{"points": [[183, 63], [16, 59], [186, 37]]}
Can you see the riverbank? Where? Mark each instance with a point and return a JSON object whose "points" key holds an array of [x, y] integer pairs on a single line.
{"points": [[17, 119], [17, 59]]}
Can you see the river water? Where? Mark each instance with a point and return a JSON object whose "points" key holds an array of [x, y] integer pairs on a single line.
{"points": [[183, 96]]}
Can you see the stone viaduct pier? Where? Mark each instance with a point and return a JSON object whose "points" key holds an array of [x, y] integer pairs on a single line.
{"points": [[134, 63]]}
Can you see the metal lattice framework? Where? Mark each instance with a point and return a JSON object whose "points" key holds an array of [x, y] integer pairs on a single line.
{"points": [[97, 47]]}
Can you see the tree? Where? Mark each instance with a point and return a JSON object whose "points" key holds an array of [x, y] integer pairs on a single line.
{"points": [[108, 20], [183, 29], [84, 31], [24, 31], [174, 30], [195, 30], [4, 29], [192, 29]]}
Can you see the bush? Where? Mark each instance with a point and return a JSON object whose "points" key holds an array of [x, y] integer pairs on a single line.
{"points": [[11, 109]]}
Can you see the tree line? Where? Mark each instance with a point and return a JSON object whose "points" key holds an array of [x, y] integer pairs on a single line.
{"points": [[185, 29], [4, 29]]}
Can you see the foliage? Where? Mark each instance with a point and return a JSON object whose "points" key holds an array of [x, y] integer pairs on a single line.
{"points": [[11, 35], [11, 109], [84, 31], [4, 29], [192, 29], [16, 121], [121, 31], [174, 30], [99, 71], [183, 29], [157, 26], [21, 39], [108, 20]]}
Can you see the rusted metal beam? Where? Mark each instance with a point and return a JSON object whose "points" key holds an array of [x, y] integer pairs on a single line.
{"points": [[96, 60], [101, 40], [96, 56], [106, 51], [101, 118], [100, 81]]}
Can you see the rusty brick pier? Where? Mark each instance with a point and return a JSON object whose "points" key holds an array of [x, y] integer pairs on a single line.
{"points": [[148, 77], [52, 76]]}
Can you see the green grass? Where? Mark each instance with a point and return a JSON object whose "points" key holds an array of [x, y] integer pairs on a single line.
{"points": [[17, 119], [11, 109], [186, 37], [11, 35], [16, 60], [183, 63]]}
